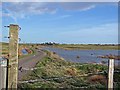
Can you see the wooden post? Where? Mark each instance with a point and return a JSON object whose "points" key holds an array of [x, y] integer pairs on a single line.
{"points": [[13, 57], [110, 74], [3, 70], [2, 76]]}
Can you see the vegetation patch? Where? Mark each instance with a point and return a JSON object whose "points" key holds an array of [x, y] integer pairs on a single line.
{"points": [[88, 46], [52, 72], [28, 47]]}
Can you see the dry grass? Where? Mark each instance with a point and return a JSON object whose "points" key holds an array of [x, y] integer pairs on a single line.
{"points": [[87, 47], [98, 79]]}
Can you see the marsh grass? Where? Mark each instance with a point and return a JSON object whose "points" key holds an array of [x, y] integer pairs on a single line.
{"points": [[5, 49], [87, 47], [58, 73]]}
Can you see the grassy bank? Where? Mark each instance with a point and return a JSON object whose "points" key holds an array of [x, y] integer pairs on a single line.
{"points": [[33, 52], [54, 72], [5, 49], [87, 46]]}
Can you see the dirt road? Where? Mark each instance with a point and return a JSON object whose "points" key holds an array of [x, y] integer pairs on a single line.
{"points": [[28, 63]]}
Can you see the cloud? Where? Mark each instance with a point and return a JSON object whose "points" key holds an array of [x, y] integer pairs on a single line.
{"points": [[0, 9], [65, 16], [0, 5], [88, 8], [108, 27], [22, 9], [77, 6], [102, 33], [6, 14]]}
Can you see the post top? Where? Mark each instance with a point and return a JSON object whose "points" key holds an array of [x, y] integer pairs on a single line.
{"points": [[13, 25]]}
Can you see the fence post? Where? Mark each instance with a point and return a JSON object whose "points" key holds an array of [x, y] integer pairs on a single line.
{"points": [[110, 74], [12, 77], [3, 69]]}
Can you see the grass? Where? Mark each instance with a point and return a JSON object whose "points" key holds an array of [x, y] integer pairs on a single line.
{"points": [[5, 49], [87, 46], [54, 72], [33, 52]]}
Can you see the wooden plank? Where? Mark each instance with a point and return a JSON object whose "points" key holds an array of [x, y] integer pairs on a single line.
{"points": [[110, 74]]}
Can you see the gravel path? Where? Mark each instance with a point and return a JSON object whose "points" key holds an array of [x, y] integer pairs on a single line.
{"points": [[29, 62]]}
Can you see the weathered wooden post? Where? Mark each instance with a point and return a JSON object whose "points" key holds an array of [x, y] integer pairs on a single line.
{"points": [[13, 57], [3, 69], [110, 74]]}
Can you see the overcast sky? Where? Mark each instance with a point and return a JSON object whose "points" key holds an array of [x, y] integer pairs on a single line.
{"points": [[61, 22]]}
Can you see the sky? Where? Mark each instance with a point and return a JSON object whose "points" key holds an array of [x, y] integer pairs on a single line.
{"points": [[62, 22]]}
